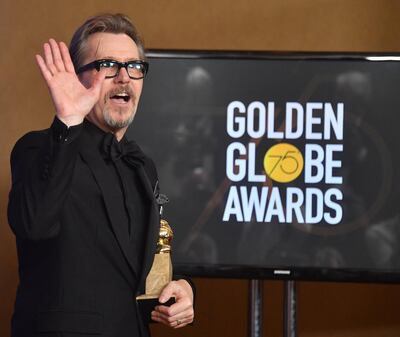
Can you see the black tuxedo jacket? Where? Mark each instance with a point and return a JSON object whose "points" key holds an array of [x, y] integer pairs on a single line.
{"points": [[77, 272]]}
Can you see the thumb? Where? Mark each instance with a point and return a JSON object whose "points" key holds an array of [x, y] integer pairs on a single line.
{"points": [[167, 293]]}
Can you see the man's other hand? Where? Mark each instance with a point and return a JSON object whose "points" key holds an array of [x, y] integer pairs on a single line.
{"points": [[179, 314]]}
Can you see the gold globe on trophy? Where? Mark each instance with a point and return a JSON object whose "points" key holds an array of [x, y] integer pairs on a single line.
{"points": [[161, 272]]}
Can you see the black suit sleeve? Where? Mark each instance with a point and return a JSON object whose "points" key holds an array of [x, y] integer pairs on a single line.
{"points": [[42, 164]]}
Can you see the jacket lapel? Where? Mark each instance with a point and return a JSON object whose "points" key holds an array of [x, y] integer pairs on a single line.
{"points": [[112, 196], [154, 227]]}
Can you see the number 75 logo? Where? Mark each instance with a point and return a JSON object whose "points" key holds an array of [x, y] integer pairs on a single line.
{"points": [[283, 162]]}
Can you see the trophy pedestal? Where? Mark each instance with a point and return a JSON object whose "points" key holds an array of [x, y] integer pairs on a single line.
{"points": [[160, 275]]}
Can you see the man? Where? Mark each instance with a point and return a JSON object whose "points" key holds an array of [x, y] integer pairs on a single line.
{"points": [[83, 201]]}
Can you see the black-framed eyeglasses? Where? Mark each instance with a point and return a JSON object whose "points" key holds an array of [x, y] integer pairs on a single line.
{"points": [[136, 69]]}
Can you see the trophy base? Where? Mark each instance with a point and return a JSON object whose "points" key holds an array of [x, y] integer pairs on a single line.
{"points": [[147, 303]]}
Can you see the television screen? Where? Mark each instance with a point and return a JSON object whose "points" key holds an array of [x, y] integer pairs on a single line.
{"points": [[277, 166]]}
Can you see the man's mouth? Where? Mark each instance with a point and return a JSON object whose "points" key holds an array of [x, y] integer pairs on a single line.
{"points": [[121, 98]]}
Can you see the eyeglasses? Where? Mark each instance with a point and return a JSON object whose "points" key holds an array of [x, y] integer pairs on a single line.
{"points": [[136, 69]]}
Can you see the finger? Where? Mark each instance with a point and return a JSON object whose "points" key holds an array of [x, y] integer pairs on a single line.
{"points": [[69, 66], [186, 316], [97, 82], [174, 322], [172, 325], [175, 308], [55, 50], [167, 321], [43, 68], [181, 324], [169, 291], [158, 318], [48, 57]]}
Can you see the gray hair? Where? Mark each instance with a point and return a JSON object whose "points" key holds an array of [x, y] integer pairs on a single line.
{"points": [[104, 23]]}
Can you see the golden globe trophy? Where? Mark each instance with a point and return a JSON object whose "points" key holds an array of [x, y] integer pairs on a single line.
{"points": [[161, 271]]}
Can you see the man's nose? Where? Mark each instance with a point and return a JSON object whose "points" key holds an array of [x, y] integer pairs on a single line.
{"points": [[122, 76]]}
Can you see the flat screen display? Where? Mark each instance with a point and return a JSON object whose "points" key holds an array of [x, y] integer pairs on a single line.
{"points": [[277, 166]]}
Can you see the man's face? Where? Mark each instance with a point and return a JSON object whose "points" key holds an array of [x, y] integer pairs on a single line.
{"points": [[119, 96]]}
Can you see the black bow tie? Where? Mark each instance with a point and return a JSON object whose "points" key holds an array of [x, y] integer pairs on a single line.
{"points": [[130, 152]]}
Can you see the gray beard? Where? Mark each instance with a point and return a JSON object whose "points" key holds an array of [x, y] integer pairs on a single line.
{"points": [[113, 124]]}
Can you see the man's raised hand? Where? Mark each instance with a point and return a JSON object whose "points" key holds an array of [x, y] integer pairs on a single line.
{"points": [[72, 100]]}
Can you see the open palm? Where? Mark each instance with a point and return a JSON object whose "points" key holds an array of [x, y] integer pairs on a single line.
{"points": [[72, 100]]}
